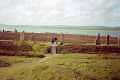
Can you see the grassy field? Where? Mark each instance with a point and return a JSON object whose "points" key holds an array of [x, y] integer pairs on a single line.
{"points": [[62, 67]]}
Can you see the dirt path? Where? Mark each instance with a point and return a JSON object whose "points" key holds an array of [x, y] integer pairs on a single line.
{"points": [[29, 64], [48, 57]]}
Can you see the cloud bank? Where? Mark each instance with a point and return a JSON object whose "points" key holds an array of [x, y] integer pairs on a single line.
{"points": [[60, 12]]}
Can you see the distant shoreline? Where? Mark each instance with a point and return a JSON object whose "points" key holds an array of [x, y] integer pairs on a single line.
{"points": [[75, 31]]}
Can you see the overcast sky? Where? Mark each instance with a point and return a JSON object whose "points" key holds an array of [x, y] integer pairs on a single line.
{"points": [[60, 12]]}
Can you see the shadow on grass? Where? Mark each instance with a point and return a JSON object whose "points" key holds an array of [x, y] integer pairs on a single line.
{"points": [[4, 63]]}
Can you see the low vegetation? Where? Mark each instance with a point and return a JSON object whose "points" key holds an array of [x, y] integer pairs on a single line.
{"points": [[23, 48], [63, 67], [39, 49]]}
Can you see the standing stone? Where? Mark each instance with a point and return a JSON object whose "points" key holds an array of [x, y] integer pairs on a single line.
{"points": [[98, 40], [118, 41], [54, 45], [16, 35], [54, 48], [62, 39], [48, 36], [15, 30], [3, 30], [21, 36], [31, 36], [108, 39]]}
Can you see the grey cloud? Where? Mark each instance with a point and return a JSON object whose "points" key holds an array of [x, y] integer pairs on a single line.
{"points": [[80, 12]]}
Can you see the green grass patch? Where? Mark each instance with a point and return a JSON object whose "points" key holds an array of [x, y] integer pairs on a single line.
{"points": [[16, 59], [39, 48], [66, 67]]}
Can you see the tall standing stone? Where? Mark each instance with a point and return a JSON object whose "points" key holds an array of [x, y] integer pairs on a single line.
{"points": [[54, 45], [21, 36], [16, 34], [108, 39], [119, 41], [31, 36], [54, 48], [98, 39], [62, 39]]}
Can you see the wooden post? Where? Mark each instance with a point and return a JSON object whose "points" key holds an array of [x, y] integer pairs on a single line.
{"points": [[98, 40]]}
